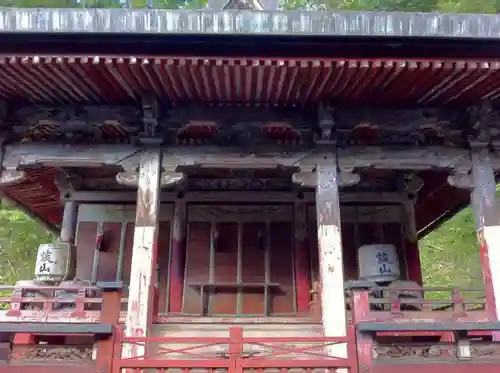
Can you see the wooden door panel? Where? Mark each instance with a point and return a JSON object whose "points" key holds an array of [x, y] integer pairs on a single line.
{"points": [[198, 264], [222, 300], [253, 267], [281, 267], [247, 253]]}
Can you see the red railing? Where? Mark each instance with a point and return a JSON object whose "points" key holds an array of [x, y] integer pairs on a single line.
{"points": [[236, 353], [35, 303]]}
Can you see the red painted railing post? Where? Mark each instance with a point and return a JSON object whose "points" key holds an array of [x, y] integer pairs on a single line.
{"points": [[364, 341], [110, 314], [235, 349]]}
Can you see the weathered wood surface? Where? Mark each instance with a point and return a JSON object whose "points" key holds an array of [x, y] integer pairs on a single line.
{"points": [[128, 157], [331, 270], [144, 253], [487, 215]]}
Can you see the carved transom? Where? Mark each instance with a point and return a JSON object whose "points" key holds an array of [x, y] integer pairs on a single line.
{"points": [[256, 126]]}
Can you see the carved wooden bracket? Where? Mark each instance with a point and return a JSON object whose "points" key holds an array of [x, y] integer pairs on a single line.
{"points": [[12, 177], [348, 178], [461, 179], [326, 124], [413, 184], [67, 182], [150, 119], [307, 177], [481, 122], [168, 178]]}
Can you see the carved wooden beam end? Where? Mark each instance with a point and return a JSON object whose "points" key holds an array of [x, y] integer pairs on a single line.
{"points": [[307, 178], [12, 177], [67, 182], [413, 184], [461, 179], [348, 178], [168, 178]]}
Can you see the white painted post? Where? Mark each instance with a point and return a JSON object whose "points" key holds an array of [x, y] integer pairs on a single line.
{"points": [[144, 253], [487, 215], [330, 257]]}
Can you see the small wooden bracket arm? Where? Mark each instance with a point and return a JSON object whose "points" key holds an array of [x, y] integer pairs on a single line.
{"points": [[307, 177], [326, 125], [348, 178], [461, 179], [412, 184], [481, 118], [169, 177], [12, 177], [67, 183]]}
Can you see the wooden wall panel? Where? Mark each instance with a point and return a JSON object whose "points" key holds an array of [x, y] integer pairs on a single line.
{"points": [[163, 264], [253, 266], [198, 259], [112, 218], [127, 257], [281, 266], [108, 259], [349, 250], [85, 247], [223, 300]]}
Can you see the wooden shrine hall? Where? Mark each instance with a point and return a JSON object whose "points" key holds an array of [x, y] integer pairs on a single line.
{"points": [[243, 204]]}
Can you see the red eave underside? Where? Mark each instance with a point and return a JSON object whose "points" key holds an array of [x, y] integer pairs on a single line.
{"points": [[287, 82]]}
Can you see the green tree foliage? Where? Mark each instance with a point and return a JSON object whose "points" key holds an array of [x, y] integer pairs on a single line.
{"points": [[19, 239]]}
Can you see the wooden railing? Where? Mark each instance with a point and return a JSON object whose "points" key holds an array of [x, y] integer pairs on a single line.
{"points": [[236, 353], [373, 319], [54, 304]]}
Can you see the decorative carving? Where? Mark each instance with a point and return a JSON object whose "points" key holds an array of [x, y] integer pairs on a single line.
{"points": [[238, 184], [12, 177], [45, 353], [412, 184], [150, 115], [481, 123], [307, 178], [247, 126], [347, 177], [326, 124], [67, 182], [417, 127], [461, 178], [75, 124], [131, 178]]}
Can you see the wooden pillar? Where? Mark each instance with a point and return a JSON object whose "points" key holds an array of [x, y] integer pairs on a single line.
{"points": [[177, 256], [68, 231], [144, 253], [68, 226], [411, 243], [487, 216], [302, 265], [330, 255]]}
